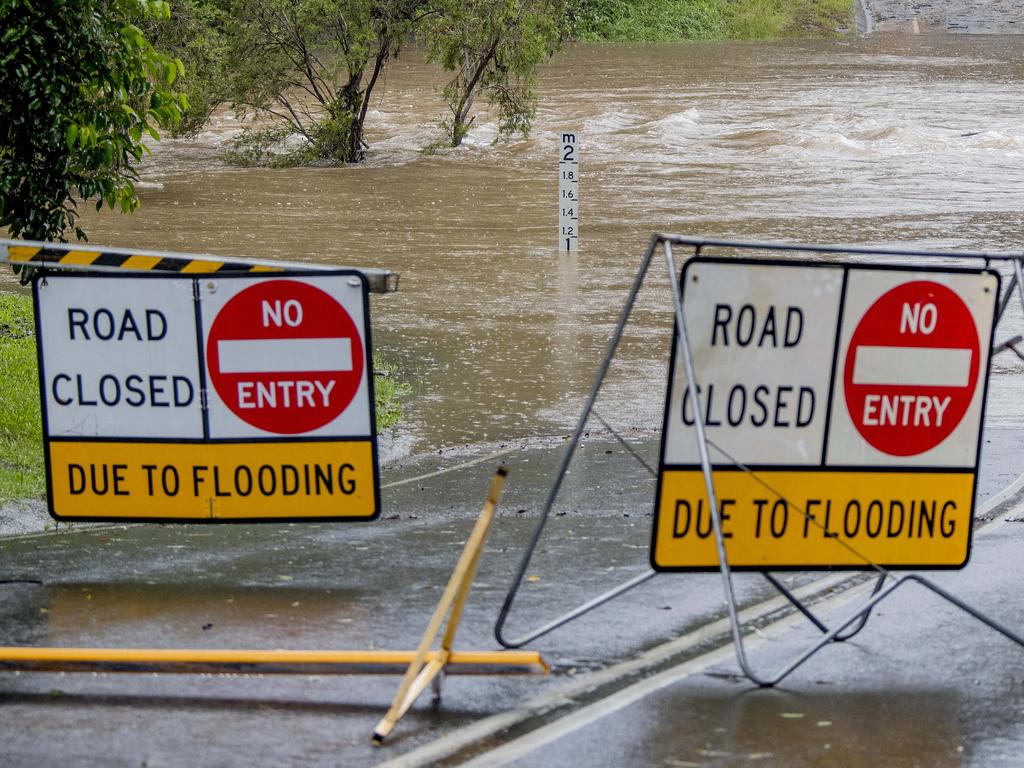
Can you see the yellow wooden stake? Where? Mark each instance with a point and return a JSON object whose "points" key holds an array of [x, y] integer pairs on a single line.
{"points": [[421, 673]]}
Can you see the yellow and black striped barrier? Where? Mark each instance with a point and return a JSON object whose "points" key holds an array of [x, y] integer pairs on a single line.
{"points": [[75, 256]]}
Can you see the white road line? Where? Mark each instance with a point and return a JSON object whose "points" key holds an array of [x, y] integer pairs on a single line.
{"points": [[452, 743], [445, 471], [524, 745]]}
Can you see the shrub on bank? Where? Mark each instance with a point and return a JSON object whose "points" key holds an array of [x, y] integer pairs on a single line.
{"points": [[673, 20]]}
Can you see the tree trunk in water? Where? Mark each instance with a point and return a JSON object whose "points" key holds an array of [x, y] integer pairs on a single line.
{"points": [[461, 123], [352, 100]]}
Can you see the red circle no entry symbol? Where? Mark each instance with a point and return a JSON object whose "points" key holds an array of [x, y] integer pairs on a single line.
{"points": [[911, 368], [285, 356]]}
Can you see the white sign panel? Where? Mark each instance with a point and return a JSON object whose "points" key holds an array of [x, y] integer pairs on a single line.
{"points": [[912, 357], [817, 365], [763, 339], [120, 357], [234, 397]]}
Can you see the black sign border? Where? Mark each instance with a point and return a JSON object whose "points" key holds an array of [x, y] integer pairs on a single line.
{"points": [[195, 278], [847, 267]]}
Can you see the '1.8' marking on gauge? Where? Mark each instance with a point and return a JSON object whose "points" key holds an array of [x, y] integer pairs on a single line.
{"points": [[568, 193]]}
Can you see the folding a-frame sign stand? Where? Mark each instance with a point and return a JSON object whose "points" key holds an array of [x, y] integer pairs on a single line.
{"points": [[855, 622]]}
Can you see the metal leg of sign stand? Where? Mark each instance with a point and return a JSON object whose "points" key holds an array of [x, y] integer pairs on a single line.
{"points": [[570, 450], [1016, 285], [556, 486], [1018, 278], [854, 622], [1005, 300], [809, 615]]}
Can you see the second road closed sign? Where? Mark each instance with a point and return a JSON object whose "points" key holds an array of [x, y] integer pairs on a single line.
{"points": [[216, 398], [843, 407]]}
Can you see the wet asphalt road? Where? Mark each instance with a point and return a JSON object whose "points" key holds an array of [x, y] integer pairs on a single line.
{"points": [[923, 685], [374, 586]]}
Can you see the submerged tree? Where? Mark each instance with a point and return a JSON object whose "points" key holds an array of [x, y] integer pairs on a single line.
{"points": [[79, 86], [494, 47], [311, 65]]}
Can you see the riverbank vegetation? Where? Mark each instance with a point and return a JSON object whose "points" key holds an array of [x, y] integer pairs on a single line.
{"points": [[21, 442], [301, 71], [304, 71], [637, 21]]}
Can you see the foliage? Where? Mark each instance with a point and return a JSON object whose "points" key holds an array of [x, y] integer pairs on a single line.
{"points": [[264, 146], [21, 447], [647, 20], [769, 19], [493, 46], [757, 20], [195, 34], [672, 20], [303, 64], [79, 86]]}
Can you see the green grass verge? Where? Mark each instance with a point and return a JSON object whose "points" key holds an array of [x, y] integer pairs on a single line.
{"points": [[388, 393], [648, 21], [770, 19], [21, 444], [653, 21]]}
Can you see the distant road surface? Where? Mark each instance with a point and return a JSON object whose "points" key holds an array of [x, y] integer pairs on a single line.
{"points": [[1001, 17]]}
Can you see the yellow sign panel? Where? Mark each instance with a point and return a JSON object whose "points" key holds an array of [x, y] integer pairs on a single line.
{"points": [[213, 481], [832, 519]]}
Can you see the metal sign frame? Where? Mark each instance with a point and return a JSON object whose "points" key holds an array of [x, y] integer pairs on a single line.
{"points": [[847, 627]]}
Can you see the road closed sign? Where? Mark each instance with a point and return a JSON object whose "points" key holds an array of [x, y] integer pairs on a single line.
{"points": [[207, 398], [843, 406]]}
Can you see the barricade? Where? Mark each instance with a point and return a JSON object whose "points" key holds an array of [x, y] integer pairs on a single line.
{"points": [[835, 421], [253, 403]]}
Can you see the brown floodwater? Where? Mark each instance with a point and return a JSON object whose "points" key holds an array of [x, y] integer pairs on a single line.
{"points": [[916, 141]]}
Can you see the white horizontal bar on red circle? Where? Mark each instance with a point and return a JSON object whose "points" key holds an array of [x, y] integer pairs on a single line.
{"points": [[285, 355], [912, 366]]}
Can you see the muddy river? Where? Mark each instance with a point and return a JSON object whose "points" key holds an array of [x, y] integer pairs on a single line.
{"points": [[892, 140]]}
